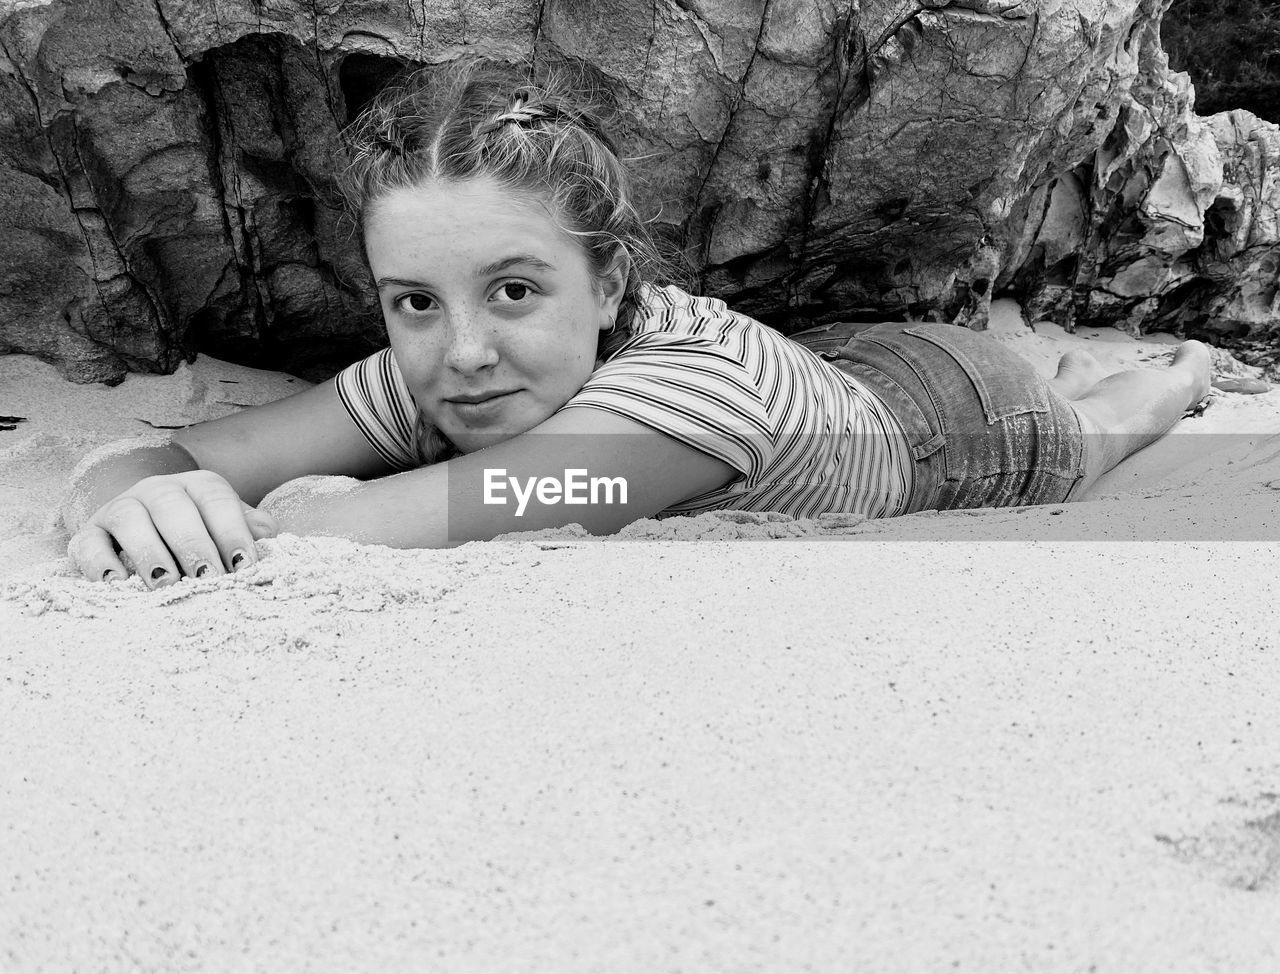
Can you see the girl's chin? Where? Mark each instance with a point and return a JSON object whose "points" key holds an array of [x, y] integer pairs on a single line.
{"points": [[468, 437], [469, 441]]}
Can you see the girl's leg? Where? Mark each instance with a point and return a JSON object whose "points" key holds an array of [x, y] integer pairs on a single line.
{"points": [[1122, 413]]}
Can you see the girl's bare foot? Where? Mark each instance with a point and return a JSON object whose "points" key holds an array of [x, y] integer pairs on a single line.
{"points": [[1078, 372], [1124, 412]]}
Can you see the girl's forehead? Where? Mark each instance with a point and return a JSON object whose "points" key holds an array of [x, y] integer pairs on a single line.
{"points": [[472, 218], [470, 199]]}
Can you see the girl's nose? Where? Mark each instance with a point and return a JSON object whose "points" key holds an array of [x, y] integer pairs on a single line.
{"points": [[471, 344]]}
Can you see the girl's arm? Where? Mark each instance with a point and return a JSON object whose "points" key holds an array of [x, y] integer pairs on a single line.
{"points": [[258, 449], [582, 465], [183, 507]]}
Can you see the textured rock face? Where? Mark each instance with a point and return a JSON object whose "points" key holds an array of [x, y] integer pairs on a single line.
{"points": [[1172, 224], [166, 168]]}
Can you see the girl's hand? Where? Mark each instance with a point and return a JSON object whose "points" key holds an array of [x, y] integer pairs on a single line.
{"points": [[163, 527]]}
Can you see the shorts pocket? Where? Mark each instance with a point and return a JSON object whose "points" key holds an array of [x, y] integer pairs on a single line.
{"points": [[1006, 384]]}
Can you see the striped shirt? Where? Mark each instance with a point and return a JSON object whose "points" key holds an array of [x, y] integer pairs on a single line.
{"points": [[805, 437]]}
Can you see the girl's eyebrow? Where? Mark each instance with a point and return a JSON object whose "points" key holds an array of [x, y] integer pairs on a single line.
{"points": [[501, 265], [397, 282], [488, 269]]}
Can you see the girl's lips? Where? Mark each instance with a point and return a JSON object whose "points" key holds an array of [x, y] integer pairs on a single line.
{"points": [[483, 410]]}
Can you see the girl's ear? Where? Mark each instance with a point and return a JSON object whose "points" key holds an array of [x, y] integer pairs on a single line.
{"points": [[613, 286]]}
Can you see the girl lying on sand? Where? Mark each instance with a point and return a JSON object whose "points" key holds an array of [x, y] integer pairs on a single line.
{"points": [[538, 375]]}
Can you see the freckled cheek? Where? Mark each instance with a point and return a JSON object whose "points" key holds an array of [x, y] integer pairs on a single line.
{"points": [[419, 362]]}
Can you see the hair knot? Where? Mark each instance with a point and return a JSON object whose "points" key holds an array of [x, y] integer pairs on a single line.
{"points": [[524, 108]]}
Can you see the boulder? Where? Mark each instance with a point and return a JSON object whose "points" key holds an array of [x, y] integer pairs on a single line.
{"points": [[1171, 225], [167, 168]]}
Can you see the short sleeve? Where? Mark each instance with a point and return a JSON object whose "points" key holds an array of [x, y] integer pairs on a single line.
{"points": [[690, 389], [378, 401]]}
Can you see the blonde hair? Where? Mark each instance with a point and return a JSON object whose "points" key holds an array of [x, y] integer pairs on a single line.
{"points": [[539, 131]]}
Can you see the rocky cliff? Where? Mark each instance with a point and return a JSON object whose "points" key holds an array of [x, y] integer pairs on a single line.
{"points": [[166, 167]]}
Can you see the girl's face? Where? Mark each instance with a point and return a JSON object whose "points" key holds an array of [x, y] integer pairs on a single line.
{"points": [[492, 309]]}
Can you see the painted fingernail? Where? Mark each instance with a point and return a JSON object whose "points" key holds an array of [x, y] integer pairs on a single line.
{"points": [[202, 571], [158, 573], [237, 560], [111, 575]]}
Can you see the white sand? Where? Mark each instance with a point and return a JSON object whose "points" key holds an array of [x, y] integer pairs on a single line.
{"points": [[898, 746]]}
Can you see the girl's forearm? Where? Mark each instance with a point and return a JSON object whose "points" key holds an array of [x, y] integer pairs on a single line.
{"points": [[114, 468], [408, 510]]}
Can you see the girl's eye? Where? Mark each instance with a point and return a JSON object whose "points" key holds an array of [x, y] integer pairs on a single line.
{"points": [[415, 303], [514, 291]]}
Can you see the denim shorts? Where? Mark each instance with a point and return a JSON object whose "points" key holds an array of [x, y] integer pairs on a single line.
{"points": [[984, 427]]}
